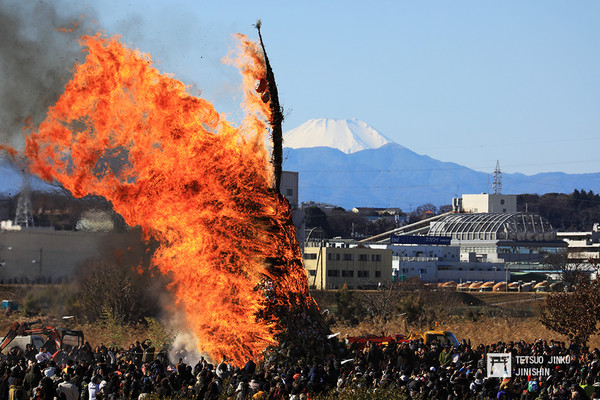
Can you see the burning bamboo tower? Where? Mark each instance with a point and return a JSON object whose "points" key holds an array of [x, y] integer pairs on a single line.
{"points": [[276, 116], [301, 312]]}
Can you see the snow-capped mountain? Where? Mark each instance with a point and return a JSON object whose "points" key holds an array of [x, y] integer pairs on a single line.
{"points": [[346, 135], [390, 175]]}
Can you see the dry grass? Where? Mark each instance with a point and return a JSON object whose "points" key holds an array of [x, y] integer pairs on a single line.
{"points": [[484, 318], [95, 334], [483, 331], [493, 319]]}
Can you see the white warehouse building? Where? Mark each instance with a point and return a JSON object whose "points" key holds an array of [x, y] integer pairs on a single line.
{"points": [[437, 262]]}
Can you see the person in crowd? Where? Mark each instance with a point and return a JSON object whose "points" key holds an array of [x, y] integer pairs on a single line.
{"points": [[290, 371], [43, 355], [68, 388]]}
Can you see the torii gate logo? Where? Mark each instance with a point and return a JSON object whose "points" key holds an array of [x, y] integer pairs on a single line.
{"points": [[499, 365]]}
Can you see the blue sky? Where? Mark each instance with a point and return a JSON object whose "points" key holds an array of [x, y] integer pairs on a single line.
{"points": [[469, 82]]}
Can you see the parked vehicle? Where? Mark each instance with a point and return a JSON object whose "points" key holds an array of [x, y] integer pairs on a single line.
{"points": [[445, 338]]}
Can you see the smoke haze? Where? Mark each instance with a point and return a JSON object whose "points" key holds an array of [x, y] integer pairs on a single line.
{"points": [[36, 61]]}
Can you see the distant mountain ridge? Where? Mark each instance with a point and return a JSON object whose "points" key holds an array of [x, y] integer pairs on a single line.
{"points": [[11, 180], [377, 175], [394, 176]]}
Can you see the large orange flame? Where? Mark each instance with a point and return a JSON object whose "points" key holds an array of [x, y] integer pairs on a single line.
{"points": [[170, 163]]}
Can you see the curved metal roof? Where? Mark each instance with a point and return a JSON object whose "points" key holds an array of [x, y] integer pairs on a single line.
{"points": [[493, 226]]}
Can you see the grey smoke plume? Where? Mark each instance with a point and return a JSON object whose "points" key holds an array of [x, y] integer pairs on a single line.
{"points": [[36, 61]]}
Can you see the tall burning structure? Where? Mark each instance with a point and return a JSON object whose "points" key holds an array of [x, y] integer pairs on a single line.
{"points": [[126, 132]]}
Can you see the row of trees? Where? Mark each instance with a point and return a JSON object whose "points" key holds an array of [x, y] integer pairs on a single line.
{"points": [[575, 314], [417, 304], [577, 211], [348, 224]]}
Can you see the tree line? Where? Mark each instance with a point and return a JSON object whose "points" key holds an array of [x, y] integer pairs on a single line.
{"points": [[339, 222], [577, 211]]}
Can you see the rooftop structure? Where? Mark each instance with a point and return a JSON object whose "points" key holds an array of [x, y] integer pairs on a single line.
{"points": [[488, 203], [493, 226]]}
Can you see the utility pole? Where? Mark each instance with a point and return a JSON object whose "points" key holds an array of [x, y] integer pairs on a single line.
{"points": [[41, 260]]}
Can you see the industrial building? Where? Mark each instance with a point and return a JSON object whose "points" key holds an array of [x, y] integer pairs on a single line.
{"points": [[331, 264], [499, 237], [45, 255], [34, 254], [439, 262], [463, 246], [289, 189], [583, 247]]}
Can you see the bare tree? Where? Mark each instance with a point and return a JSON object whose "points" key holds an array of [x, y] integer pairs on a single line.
{"points": [[568, 269], [575, 314], [383, 303]]}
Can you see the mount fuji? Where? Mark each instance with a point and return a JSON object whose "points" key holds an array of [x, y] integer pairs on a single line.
{"points": [[349, 164], [346, 135]]}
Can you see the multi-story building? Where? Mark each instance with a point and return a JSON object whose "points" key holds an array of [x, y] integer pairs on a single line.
{"points": [[583, 247], [480, 245], [331, 264]]}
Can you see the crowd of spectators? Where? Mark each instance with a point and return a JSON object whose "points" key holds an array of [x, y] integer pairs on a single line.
{"points": [[412, 368]]}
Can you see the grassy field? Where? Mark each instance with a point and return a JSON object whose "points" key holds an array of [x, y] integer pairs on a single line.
{"points": [[481, 317]]}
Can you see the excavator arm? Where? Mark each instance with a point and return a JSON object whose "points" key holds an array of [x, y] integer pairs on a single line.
{"points": [[13, 332], [58, 336]]}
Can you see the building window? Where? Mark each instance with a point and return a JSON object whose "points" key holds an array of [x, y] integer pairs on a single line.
{"points": [[363, 274], [312, 272], [289, 192], [376, 257], [363, 257], [377, 274], [333, 256], [310, 256], [347, 274], [333, 273], [348, 257]]}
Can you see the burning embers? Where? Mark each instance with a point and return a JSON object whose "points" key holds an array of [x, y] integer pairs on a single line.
{"points": [[170, 163]]}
